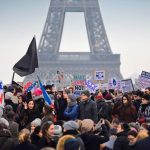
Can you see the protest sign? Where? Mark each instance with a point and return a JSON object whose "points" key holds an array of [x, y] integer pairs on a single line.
{"points": [[127, 85]]}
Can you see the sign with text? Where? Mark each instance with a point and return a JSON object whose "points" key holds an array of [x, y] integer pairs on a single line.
{"points": [[79, 77], [145, 75], [79, 82], [79, 88], [90, 85], [142, 83], [100, 75], [127, 85]]}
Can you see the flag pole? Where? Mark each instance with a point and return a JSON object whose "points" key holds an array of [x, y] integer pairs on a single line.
{"points": [[13, 77]]}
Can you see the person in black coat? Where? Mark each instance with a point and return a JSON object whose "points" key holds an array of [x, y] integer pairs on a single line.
{"points": [[24, 143], [47, 138], [132, 139], [28, 114], [92, 140], [36, 136], [87, 107], [60, 104], [6, 140], [103, 109], [145, 143], [122, 142]]}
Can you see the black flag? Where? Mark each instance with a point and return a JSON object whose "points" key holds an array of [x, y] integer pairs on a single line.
{"points": [[27, 64]]}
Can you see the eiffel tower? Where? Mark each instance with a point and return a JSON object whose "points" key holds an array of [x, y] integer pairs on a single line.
{"points": [[100, 56]]}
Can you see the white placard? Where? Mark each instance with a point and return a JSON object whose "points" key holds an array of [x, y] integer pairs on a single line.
{"points": [[100, 75]]}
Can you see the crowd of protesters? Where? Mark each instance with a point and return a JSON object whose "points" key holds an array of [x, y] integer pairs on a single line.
{"points": [[104, 120]]}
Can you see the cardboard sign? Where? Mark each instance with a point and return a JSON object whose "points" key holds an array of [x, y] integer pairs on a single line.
{"points": [[90, 85], [79, 82], [100, 75], [142, 83], [79, 88], [145, 75], [79, 77], [127, 85]]}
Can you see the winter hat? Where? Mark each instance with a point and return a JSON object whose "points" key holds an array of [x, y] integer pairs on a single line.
{"points": [[72, 144], [8, 108], [87, 125], [58, 130], [4, 121], [8, 95], [108, 96], [37, 92], [10, 115], [10, 89], [98, 97], [146, 96], [36, 122], [86, 92], [71, 125], [72, 97]]}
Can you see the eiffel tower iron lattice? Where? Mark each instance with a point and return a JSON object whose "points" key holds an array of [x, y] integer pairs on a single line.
{"points": [[69, 64]]}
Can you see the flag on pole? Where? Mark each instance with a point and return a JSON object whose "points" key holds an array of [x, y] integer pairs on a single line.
{"points": [[46, 96], [27, 64]]}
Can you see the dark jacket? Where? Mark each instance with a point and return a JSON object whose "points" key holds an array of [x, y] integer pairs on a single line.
{"points": [[35, 139], [14, 128], [60, 106], [104, 110], [27, 116], [92, 141], [143, 144], [121, 142], [8, 143], [25, 146], [75, 133], [137, 104], [88, 110], [43, 142]]}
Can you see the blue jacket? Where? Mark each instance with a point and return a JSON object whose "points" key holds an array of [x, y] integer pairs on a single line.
{"points": [[71, 112]]}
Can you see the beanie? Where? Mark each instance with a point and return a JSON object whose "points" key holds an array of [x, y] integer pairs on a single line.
{"points": [[72, 97], [8, 95], [10, 115], [58, 130], [4, 121], [86, 92], [71, 125], [36, 122], [87, 125], [8, 108]]}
